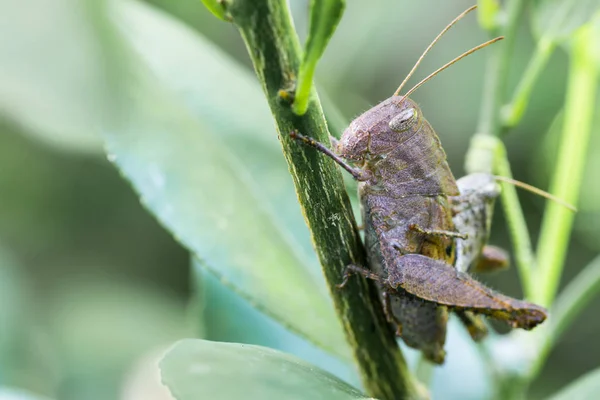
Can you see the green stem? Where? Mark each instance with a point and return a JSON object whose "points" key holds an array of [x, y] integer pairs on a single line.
{"points": [[574, 298], [266, 27], [519, 234], [513, 112], [489, 124], [497, 69], [579, 112]]}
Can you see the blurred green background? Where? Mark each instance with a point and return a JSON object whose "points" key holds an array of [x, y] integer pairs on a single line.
{"points": [[92, 288]]}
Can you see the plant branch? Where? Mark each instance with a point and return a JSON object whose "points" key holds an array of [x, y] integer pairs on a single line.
{"points": [[266, 27], [497, 72], [490, 125], [519, 234], [573, 148], [513, 112], [574, 298]]}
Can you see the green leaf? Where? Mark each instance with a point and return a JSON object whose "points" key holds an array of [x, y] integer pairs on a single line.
{"points": [[585, 387], [216, 202], [556, 20], [229, 318], [195, 369], [227, 99], [217, 8], [324, 18]]}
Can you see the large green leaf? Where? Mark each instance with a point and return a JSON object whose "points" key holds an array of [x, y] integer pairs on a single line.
{"points": [[215, 201], [198, 369], [229, 318], [585, 387], [227, 98]]}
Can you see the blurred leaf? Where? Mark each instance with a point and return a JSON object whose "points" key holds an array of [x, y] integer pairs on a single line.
{"points": [[100, 327], [142, 381], [324, 18], [53, 74], [12, 311], [18, 394], [101, 324], [586, 387], [194, 369], [556, 20], [26, 359], [210, 199], [216, 7], [230, 318]]}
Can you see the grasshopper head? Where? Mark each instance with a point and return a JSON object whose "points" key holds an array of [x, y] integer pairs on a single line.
{"points": [[380, 129]]}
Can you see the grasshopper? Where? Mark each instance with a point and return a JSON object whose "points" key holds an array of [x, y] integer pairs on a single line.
{"points": [[406, 188]]}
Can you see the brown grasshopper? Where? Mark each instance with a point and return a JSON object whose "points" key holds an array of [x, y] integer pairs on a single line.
{"points": [[404, 186]]}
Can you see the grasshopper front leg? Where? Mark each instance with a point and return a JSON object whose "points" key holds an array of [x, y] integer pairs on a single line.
{"points": [[357, 173]]}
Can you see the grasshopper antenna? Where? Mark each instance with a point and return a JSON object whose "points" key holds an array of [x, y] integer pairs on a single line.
{"points": [[535, 190], [450, 25], [437, 71]]}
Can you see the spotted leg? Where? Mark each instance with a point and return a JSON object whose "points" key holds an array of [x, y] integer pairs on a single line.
{"points": [[357, 173]]}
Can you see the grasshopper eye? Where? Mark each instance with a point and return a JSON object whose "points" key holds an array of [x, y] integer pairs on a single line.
{"points": [[404, 120]]}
